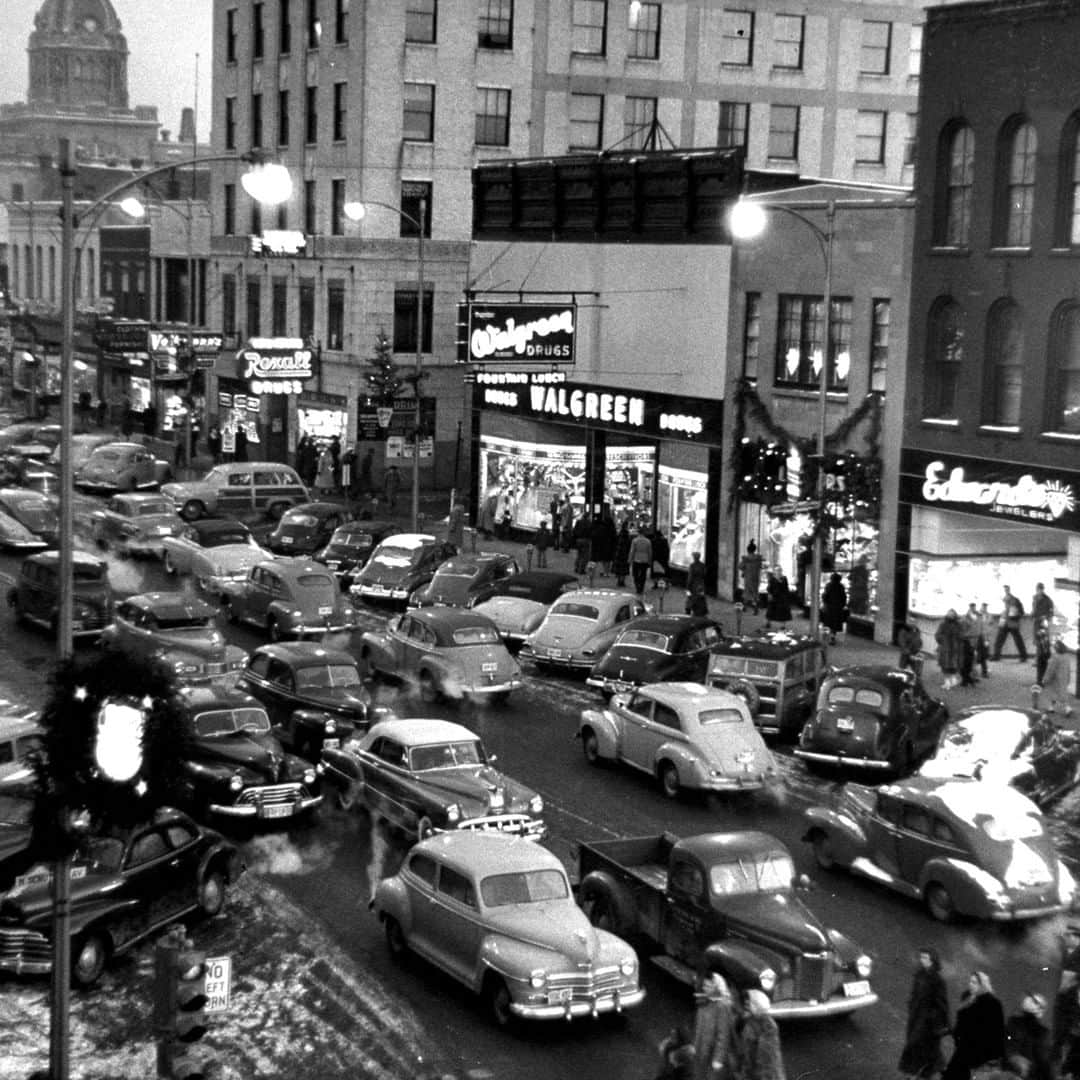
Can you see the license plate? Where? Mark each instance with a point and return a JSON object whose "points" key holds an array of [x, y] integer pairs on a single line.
{"points": [[746, 757], [332, 564], [325, 610], [331, 744], [560, 997], [558, 654], [285, 810], [489, 667], [845, 723], [163, 530], [377, 588], [857, 989], [286, 539]]}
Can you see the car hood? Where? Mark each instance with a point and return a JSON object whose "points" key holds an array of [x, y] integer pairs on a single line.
{"points": [[778, 918], [198, 643], [188, 489], [476, 784], [566, 632], [556, 925], [153, 522], [511, 612], [350, 699], [261, 753]]}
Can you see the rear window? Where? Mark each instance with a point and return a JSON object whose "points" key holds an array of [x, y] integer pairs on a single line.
{"points": [[719, 716], [647, 639], [580, 611], [396, 556], [327, 675], [143, 509], [851, 695], [89, 573], [476, 635], [352, 539]]}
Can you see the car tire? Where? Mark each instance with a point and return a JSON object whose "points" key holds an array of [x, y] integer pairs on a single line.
{"points": [[212, 893], [192, 510], [395, 939], [748, 692], [939, 903], [429, 692], [169, 565], [424, 828], [590, 746], [89, 956], [602, 908], [668, 776], [824, 855], [498, 999]]}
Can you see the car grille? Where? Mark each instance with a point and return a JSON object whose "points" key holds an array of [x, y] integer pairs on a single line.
{"points": [[586, 982], [218, 668], [24, 950], [269, 793], [517, 824], [92, 618], [814, 977]]}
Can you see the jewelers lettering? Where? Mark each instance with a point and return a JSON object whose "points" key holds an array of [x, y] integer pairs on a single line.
{"points": [[1027, 492]]}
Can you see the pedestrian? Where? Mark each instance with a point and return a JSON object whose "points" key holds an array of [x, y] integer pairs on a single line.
{"points": [[982, 650], [365, 471], [391, 483], [950, 646], [240, 443], [641, 558], [582, 534], [324, 474], [335, 458], [778, 599], [715, 1020], [1042, 606], [834, 607], [1012, 611], [970, 625], [541, 544], [759, 1056], [1055, 689], [455, 526], [927, 1019], [127, 418], [695, 586], [620, 557], [556, 523], [1043, 646], [101, 411], [910, 642], [676, 1056], [566, 524], [979, 1030], [750, 568], [213, 444], [602, 540], [661, 553], [1027, 1040]]}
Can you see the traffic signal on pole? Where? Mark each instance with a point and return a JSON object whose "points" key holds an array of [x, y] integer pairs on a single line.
{"points": [[179, 1004]]}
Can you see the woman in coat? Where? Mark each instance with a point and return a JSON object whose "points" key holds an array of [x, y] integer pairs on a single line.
{"points": [[778, 603], [714, 1030], [950, 648], [927, 1019], [620, 557], [979, 1031], [759, 1041], [324, 478], [834, 607]]}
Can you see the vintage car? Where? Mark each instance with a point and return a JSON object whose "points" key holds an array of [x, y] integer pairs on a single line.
{"points": [[657, 648], [19, 737], [30, 432], [135, 524], [399, 566], [688, 736], [234, 766], [126, 885], [213, 551], [348, 549], [315, 696], [444, 652], [15, 536], [82, 446], [987, 742], [26, 465], [17, 854], [239, 488], [580, 627], [962, 847], [872, 716], [497, 913], [520, 602], [465, 580], [288, 598], [778, 673], [35, 595], [37, 514], [306, 528], [179, 629], [120, 466], [429, 776]]}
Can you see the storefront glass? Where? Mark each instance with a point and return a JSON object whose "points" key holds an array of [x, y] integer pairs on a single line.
{"points": [[521, 479], [680, 513], [322, 423]]}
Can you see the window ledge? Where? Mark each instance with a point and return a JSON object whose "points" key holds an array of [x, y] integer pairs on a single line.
{"points": [[1000, 251], [935, 421], [999, 429], [1062, 436], [1063, 251], [944, 249], [808, 392], [421, 44]]}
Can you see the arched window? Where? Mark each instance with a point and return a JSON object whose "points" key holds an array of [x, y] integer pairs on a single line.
{"points": [[944, 359], [1015, 184], [1004, 364], [1063, 413], [1067, 211], [956, 182]]}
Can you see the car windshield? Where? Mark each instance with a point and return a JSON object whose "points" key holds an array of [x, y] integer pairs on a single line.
{"points": [[185, 622], [323, 675], [350, 540], [217, 722], [446, 755], [525, 887], [645, 639], [719, 716], [578, 610], [156, 506], [752, 874], [104, 851], [476, 635], [396, 556], [88, 573], [106, 456], [222, 538]]}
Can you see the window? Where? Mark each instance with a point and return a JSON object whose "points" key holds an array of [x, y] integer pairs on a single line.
{"points": [[492, 116], [880, 318], [944, 359], [800, 342], [311, 114], [788, 41], [253, 318], [283, 118], [420, 21], [733, 129], [643, 29], [1064, 382], [228, 304], [279, 307], [423, 866], [752, 336], [405, 314], [876, 48], [229, 209], [306, 309], [256, 120], [870, 137], [956, 165], [419, 121], [412, 191], [784, 132], [495, 26], [1005, 360], [284, 27], [586, 121], [1067, 224], [341, 22], [737, 42], [911, 135], [337, 207], [335, 314], [230, 36], [255, 228], [1017, 171], [256, 31], [314, 25], [915, 52], [456, 887], [341, 98], [309, 207], [639, 120], [588, 32], [230, 123]]}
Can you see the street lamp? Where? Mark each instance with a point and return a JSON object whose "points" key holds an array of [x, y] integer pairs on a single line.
{"points": [[355, 211]]}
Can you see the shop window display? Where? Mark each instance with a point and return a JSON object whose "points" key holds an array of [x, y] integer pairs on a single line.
{"points": [[680, 515], [322, 424]]}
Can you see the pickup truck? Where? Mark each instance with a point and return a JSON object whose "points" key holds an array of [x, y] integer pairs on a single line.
{"points": [[724, 902]]}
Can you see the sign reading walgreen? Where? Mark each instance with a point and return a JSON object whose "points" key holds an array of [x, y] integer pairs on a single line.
{"points": [[276, 365], [517, 333]]}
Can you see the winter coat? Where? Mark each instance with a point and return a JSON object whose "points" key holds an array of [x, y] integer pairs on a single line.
{"points": [[641, 550], [325, 476], [978, 1034], [834, 605], [909, 639], [542, 540], [759, 1049], [927, 1022], [778, 607], [1028, 1037], [714, 1039], [620, 559], [603, 539], [950, 643]]}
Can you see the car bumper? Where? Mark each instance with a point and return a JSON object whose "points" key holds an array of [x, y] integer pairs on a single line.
{"points": [[1021, 914], [568, 1010], [365, 592], [611, 686], [528, 828], [33, 544], [813, 1010], [305, 630], [749, 782], [822, 758], [479, 691], [253, 808], [545, 657]]}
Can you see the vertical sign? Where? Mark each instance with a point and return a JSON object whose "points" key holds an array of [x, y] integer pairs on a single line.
{"points": [[218, 983]]}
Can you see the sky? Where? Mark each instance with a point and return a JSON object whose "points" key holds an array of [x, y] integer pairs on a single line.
{"points": [[163, 38]]}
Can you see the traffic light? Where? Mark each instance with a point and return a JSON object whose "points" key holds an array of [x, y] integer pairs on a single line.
{"points": [[179, 1001]]}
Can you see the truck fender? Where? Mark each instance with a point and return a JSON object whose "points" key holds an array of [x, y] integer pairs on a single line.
{"points": [[607, 903], [846, 835], [739, 963], [967, 884], [604, 725]]}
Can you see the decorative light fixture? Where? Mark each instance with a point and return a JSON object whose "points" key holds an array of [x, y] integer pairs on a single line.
{"points": [[268, 183]]}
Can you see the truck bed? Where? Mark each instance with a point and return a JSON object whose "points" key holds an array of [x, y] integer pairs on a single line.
{"points": [[643, 858]]}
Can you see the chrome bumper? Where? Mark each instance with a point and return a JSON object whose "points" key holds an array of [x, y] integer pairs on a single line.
{"points": [[812, 1010], [842, 759], [613, 1002]]}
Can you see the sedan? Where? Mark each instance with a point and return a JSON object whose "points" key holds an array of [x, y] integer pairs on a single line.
{"points": [[306, 528], [686, 735], [446, 651], [213, 551], [465, 580], [497, 913], [429, 776], [15, 536], [399, 566], [119, 466], [135, 524], [520, 602], [659, 648], [36, 513], [348, 549]]}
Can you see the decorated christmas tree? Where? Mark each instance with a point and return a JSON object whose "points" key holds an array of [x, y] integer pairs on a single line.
{"points": [[385, 381]]}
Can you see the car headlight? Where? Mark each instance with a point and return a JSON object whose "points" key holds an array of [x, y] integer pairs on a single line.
{"points": [[537, 979], [536, 805], [453, 812], [296, 614], [863, 966], [588, 654], [330, 726], [236, 782], [767, 980], [497, 799], [182, 667], [628, 965], [309, 776], [1066, 884]]}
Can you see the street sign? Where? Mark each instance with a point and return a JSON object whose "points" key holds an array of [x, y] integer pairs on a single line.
{"points": [[218, 983], [807, 506]]}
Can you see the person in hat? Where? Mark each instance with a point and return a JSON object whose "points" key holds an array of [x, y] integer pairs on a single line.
{"points": [[759, 1041], [1027, 1040], [1053, 688], [714, 1029]]}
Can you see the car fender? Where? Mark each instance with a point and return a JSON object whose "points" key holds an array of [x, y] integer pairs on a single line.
{"points": [[310, 719], [967, 884], [847, 835], [607, 727], [510, 958], [742, 963], [224, 856], [103, 911], [342, 767], [683, 756], [377, 647], [280, 611], [391, 899]]}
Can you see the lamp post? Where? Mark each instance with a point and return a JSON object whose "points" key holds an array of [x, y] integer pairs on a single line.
{"points": [[355, 211]]}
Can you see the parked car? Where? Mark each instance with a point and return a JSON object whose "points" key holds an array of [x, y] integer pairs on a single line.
{"points": [[26, 432], [520, 602], [17, 854], [288, 598], [35, 595], [962, 847], [315, 696], [657, 648], [239, 488], [82, 446], [38, 514], [688, 736], [465, 580], [445, 652], [232, 765], [431, 776], [580, 627], [25, 465], [213, 551], [306, 528], [399, 566], [135, 525], [19, 737], [119, 466], [347, 551], [497, 913], [126, 885], [778, 673], [179, 629], [872, 716], [15, 536]]}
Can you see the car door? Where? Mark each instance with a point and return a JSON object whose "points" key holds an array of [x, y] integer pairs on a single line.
{"points": [[154, 877], [236, 496], [918, 843], [279, 697], [41, 591], [414, 645], [419, 881], [264, 584], [687, 912], [455, 932], [383, 767], [638, 733], [144, 469], [882, 827]]}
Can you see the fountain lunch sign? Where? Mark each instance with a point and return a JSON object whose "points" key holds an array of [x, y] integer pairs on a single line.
{"points": [[276, 365]]}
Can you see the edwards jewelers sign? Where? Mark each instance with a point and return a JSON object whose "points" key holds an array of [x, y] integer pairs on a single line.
{"points": [[520, 333], [275, 365]]}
